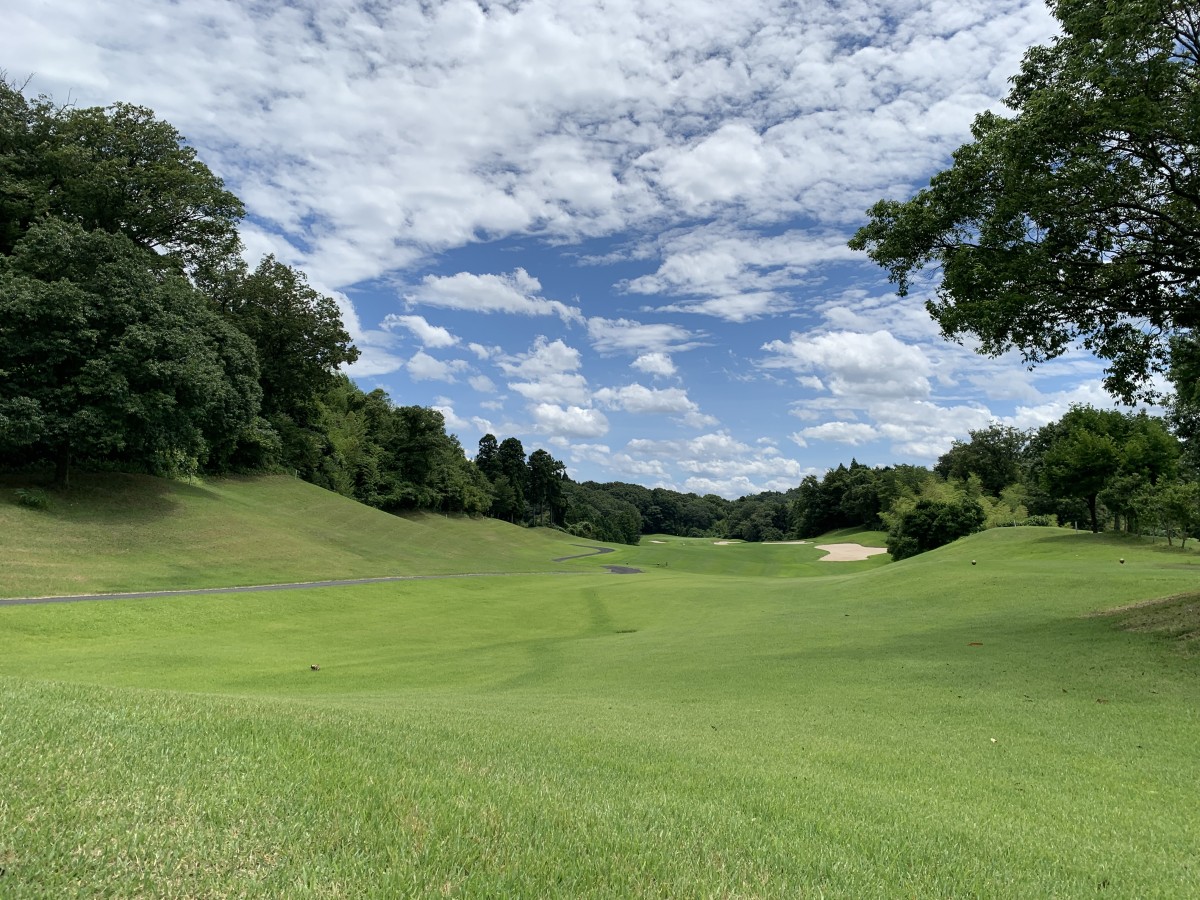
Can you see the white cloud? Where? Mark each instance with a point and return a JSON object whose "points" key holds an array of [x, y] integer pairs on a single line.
{"points": [[853, 433], [722, 152], [855, 364], [483, 352], [627, 336], [545, 357], [736, 274], [641, 400], [454, 423], [423, 367], [572, 420], [516, 293], [736, 307], [554, 387], [482, 383], [657, 364], [432, 336], [374, 361], [719, 463]]}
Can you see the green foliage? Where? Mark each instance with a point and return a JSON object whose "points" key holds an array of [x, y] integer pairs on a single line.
{"points": [[1078, 218], [116, 169], [33, 498], [930, 524], [847, 497], [1174, 507], [994, 454], [1090, 450], [106, 359], [596, 513], [297, 333]]}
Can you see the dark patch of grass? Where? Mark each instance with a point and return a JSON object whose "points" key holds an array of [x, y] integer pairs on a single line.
{"points": [[1176, 619]]}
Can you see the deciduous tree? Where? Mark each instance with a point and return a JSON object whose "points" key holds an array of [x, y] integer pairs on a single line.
{"points": [[1077, 218]]}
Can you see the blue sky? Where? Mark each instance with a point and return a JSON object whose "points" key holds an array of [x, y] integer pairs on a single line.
{"points": [[613, 230]]}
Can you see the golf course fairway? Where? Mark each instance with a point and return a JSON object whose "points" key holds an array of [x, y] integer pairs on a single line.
{"points": [[729, 721]]}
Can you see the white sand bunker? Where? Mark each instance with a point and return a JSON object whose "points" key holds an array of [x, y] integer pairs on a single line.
{"points": [[785, 542], [658, 542], [848, 552], [724, 543]]}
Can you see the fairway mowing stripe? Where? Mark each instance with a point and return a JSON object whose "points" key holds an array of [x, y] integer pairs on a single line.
{"points": [[249, 589]]}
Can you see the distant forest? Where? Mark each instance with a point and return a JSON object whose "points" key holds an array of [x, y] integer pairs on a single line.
{"points": [[134, 337]]}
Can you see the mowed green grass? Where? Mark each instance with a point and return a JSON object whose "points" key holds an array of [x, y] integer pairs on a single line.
{"points": [[134, 533], [929, 728], [792, 559]]}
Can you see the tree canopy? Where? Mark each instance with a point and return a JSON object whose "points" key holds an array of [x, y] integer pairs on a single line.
{"points": [[1077, 218], [101, 358]]}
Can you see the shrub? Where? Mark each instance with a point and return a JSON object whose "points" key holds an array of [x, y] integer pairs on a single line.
{"points": [[933, 523], [34, 498]]}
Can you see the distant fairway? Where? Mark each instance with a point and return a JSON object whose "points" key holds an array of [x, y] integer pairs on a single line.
{"points": [[737, 721]]}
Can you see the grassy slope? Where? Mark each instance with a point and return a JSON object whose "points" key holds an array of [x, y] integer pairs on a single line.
{"points": [[929, 728], [132, 533]]}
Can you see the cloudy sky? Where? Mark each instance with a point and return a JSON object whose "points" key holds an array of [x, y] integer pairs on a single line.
{"points": [[614, 229]]}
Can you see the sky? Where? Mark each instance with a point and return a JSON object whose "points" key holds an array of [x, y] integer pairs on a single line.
{"points": [[615, 230]]}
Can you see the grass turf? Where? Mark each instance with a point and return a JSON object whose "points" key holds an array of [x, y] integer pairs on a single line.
{"points": [[114, 533], [927, 728]]}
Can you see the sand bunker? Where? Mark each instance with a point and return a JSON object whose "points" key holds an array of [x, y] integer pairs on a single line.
{"points": [[848, 552], [785, 542], [724, 543]]}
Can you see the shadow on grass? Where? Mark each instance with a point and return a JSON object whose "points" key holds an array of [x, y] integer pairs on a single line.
{"points": [[98, 497]]}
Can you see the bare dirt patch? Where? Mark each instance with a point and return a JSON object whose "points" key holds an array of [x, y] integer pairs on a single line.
{"points": [[848, 552]]}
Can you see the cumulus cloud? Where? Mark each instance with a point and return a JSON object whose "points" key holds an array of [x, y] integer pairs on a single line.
{"points": [[432, 336], [734, 273], [554, 387], [852, 363], [628, 336], [719, 463], [373, 135], [719, 153], [482, 383], [423, 367], [657, 364], [641, 400], [852, 433], [516, 293], [571, 420], [545, 357]]}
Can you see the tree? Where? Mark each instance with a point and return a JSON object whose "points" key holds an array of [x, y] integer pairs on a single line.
{"points": [[930, 524], [297, 333], [487, 459], [1078, 218], [1176, 506], [546, 477], [108, 350], [515, 471], [1081, 454], [105, 359], [994, 454], [1079, 464], [117, 169]]}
